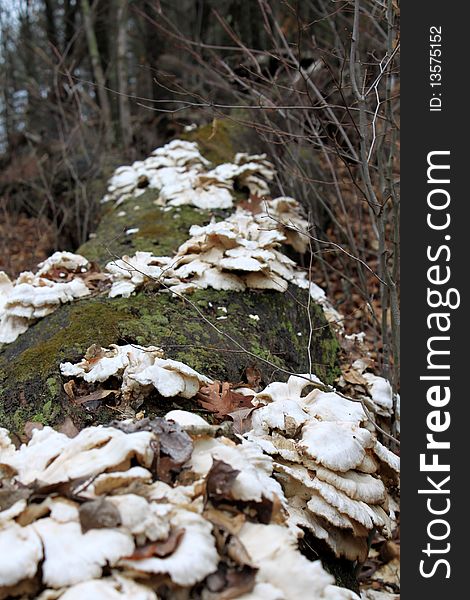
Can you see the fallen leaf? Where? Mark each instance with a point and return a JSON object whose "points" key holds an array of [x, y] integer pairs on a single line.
{"points": [[254, 204], [172, 446], [160, 549], [389, 551], [221, 519], [239, 581], [95, 396], [10, 494], [219, 481], [98, 514], [69, 389], [68, 427], [58, 274], [242, 419], [41, 490], [229, 582], [30, 426], [95, 280], [94, 353], [237, 551], [354, 377], [220, 399], [253, 377]]}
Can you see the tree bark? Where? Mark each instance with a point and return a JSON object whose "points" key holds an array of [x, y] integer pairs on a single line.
{"points": [[98, 73], [51, 29], [122, 76]]}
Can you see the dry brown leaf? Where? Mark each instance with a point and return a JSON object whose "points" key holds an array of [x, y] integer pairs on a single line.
{"points": [[10, 494], [30, 426], [172, 446], [160, 549], [254, 204], [253, 377], [95, 396], [354, 377], [229, 522], [68, 427], [242, 419], [95, 280], [69, 389], [98, 514], [220, 399], [229, 582], [94, 353], [219, 481], [389, 550]]}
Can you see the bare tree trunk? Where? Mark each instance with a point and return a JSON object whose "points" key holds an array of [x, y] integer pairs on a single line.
{"points": [[5, 86], [98, 72], [122, 75], [51, 29]]}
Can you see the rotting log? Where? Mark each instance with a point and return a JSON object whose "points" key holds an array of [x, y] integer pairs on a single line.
{"points": [[31, 386], [32, 389]]}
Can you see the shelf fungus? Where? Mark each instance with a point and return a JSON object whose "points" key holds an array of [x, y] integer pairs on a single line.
{"points": [[116, 587], [58, 280], [128, 274], [238, 253], [147, 509], [183, 176], [273, 549], [140, 369], [334, 472]]}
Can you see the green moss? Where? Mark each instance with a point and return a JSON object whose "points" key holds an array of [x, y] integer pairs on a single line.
{"points": [[216, 140], [160, 232], [73, 329], [30, 367], [48, 413], [53, 386]]}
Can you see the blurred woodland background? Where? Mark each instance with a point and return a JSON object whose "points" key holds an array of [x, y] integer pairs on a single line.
{"points": [[87, 85]]}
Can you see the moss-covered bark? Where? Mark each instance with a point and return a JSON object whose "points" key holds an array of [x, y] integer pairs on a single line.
{"points": [[32, 388]]}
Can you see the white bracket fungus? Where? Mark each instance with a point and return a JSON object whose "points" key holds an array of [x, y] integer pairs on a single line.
{"points": [[21, 551], [34, 295], [181, 175], [71, 556], [327, 461], [273, 549], [141, 370], [173, 531], [195, 557]]}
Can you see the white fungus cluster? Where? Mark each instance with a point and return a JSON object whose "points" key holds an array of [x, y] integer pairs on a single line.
{"points": [[332, 467], [381, 399], [237, 253], [243, 251], [140, 370], [34, 295], [91, 517], [183, 176], [240, 252]]}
